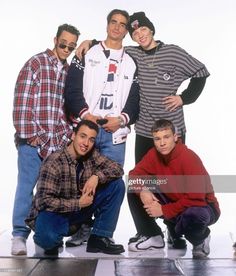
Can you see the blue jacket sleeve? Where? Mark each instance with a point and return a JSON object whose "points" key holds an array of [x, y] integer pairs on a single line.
{"points": [[132, 104], [74, 98]]}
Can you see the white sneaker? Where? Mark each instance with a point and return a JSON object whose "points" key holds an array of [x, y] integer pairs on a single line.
{"points": [[202, 250], [80, 236], [18, 246], [141, 242]]}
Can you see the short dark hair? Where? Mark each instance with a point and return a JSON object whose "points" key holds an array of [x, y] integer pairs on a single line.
{"points": [[117, 11], [163, 124], [68, 28], [87, 123]]}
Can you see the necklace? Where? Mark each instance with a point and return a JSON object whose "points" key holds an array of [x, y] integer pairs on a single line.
{"points": [[154, 58]]}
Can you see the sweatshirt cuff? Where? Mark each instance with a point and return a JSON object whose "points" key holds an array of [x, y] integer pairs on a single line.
{"points": [[125, 117], [83, 112]]}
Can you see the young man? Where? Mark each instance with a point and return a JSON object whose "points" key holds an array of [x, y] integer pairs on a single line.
{"points": [[73, 184], [103, 85], [40, 123], [162, 69], [178, 189]]}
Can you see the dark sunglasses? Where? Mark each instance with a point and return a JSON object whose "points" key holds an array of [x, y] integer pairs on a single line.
{"points": [[63, 46]]}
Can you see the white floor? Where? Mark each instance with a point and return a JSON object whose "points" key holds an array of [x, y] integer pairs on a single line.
{"points": [[223, 233]]}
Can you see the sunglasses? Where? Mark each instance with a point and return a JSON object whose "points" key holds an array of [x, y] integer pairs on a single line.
{"points": [[63, 46]]}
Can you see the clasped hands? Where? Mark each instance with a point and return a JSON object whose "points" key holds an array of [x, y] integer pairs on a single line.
{"points": [[151, 204], [113, 123]]}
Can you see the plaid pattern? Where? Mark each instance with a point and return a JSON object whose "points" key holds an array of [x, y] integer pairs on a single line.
{"points": [[57, 188], [39, 103]]}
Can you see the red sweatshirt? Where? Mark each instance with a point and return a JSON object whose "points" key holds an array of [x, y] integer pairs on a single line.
{"points": [[180, 176]]}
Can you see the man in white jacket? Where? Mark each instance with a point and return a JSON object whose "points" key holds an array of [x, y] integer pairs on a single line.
{"points": [[103, 85]]}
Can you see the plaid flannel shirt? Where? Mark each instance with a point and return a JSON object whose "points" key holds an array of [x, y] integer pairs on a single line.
{"points": [[58, 189], [39, 103]]}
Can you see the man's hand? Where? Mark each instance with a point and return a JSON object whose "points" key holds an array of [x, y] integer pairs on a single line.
{"points": [[112, 125], [34, 141], [154, 209], [90, 185], [91, 117], [85, 200], [172, 102], [147, 197], [83, 48]]}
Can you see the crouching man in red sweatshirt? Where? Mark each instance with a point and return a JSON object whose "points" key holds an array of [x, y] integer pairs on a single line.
{"points": [[170, 182]]}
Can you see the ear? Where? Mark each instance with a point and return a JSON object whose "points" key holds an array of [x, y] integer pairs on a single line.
{"points": [[73, 136], [55, 41], [175, 137]]}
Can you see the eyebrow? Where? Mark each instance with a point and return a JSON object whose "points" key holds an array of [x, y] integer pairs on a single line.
{"points": [[65, 41], [116, 21]]}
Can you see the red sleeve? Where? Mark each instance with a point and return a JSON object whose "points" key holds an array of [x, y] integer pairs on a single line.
{"points": [[146, 165], [143, 170], [196, 185]]}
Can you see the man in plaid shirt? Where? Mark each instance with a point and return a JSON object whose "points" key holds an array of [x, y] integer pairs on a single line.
{"points": [[40, 122], [74, 183]]}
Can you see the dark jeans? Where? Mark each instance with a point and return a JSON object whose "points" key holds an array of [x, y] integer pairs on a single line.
{"points": [[144, 144], [192, 223], [51, 227]]}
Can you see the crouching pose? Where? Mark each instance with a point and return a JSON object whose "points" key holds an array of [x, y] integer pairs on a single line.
{"points": [[170, 182], [74, 184]]}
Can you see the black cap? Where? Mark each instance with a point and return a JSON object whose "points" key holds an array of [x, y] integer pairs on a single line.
{"points": [[137, 20]]}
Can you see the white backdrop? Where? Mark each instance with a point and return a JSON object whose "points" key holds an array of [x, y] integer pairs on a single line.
{"points": [[206, 29]]}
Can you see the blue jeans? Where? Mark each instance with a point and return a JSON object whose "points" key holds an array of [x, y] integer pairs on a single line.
{"points": [[29, 163], [106, 147], [51, 227]]}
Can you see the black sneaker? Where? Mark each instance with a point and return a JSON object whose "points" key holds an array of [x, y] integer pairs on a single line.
{"points": [[176, 242], [105, 245], [53, 251]]}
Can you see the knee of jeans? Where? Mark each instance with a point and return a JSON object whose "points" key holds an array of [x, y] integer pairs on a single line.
{"points": [[196, 215], [120, 185], [117, 186], [46, 239]]}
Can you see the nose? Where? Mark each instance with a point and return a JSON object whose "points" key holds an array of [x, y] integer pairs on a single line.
{"points": [[117, 26], [162, 142], [86, 142]]}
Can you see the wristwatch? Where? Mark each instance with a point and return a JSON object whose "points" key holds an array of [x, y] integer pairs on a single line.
{"points": [[122, 122]]}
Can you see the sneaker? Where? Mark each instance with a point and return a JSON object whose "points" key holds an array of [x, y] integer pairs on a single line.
{"points": [[82, 235], [202, 250], [141, 242], [176, 242], [18, 246]]}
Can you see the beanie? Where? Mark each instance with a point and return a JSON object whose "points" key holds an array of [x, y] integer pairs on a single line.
{"points": [[137, 20]]}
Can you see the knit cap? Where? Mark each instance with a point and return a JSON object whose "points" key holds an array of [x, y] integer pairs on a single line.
{"points": [[137, 20]]}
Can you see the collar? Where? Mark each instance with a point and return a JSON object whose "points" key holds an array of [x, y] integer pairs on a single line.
{"points": [[153, 50], [106, 51], [166, 159], [54, 60]]}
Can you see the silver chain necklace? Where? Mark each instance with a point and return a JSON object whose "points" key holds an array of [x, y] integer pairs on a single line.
{"points": [[153, 59]]}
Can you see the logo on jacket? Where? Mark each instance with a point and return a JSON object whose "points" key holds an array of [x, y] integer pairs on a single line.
{"points": [[93, 62]]}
